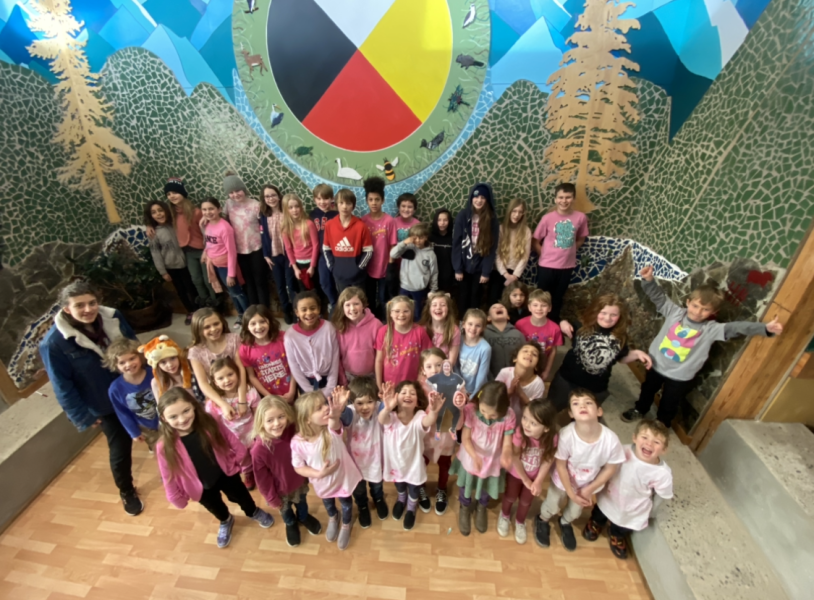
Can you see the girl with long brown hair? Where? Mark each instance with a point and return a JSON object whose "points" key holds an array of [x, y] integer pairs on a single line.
{"points": [[301, 241], [513, 250]]}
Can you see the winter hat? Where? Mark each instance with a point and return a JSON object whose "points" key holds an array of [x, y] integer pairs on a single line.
{"points": [[157, 349], [233, 183], [175, 184], [480, 190]]}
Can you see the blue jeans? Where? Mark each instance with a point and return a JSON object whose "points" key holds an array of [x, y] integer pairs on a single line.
{"points": [[284, 280], [347, 508], [419, 298], [360, 493], [235, 292], [301, 507], [326, 278]]}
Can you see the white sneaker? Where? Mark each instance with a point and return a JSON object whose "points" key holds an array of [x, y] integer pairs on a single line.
{"points": [[502, 525], [520, 533]]}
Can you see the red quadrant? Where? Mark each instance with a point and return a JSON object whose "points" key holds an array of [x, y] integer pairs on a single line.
{"points": [[360, 111]]}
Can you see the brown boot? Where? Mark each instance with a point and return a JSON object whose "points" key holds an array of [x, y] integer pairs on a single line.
{"points": [[481, 518], [465, 520]]}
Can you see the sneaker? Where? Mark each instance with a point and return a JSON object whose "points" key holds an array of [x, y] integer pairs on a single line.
{"points": [[225, 532], [503, 525], [364, 517], [132, 503], [381, 510], [263, 518], [188, 319], [344, 536], [409, 520], [312, 525], [591, 531], [423, 500], [542, 532], [481, 518], [631, 415], [520, 533], [567, 536], [248, 480], [440, 502], [398, 509], [618, 546], [465, 520], [292, 535], [333, 529]]}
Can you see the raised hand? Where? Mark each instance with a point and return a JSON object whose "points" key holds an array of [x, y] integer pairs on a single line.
{"points": [[774, 326], [459, 399], [436, 401], [647, 273], [388, 396], [337, 402]]}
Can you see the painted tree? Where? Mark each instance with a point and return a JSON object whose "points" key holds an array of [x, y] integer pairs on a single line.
{"points": [[593, 104], [94, 151]]}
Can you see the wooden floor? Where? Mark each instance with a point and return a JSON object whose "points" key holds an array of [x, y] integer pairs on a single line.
{"points": [[75, 541]]}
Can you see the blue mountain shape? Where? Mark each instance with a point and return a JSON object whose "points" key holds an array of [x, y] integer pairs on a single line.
{"points": [[692, 36], [750, 10], [553, 12], [517, 14], [15, 37], [97, 50], [220, 56], [182, 58], [123, 30], [198, 5], [179, 16], [503, 38], [216, 13], [160, 44], [131, 7], [95, 13], [534, 57]]}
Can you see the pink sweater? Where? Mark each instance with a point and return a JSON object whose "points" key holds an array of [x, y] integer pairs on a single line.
{"points": [[272, 466], [299, 251], [220, 245], [184, 485], [356, 345]]}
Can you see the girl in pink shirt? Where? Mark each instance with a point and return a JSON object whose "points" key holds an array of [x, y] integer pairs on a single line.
{"points": [[399, 344], [263, 354], [221, 254], [199, 458], [524, 380], [318, 452], [356, 330], [440, 319], [301, 241]]}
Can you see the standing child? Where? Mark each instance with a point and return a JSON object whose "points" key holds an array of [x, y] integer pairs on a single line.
{"points": [[399, 344], [407, 205], [504, 339], [516, 298], [513, 250], [628, 501], [403, 442], [440, 319], [318, 453], [311, 347], [323, 212], [418, 274], [301, 242], [271, 234], [588, 455], [382, 228], [170, 368], [682, 345], [131, 394], [476, 353], [356, 330], [486, 447], [557, 238], [347, 244], [199, 458], [441, 240], [263, 355], [538, 328], [281, 486], [523, 380], [533, 445]]}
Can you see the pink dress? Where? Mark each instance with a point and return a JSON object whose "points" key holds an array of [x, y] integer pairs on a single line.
{"points": [[403, 446], [365, 444], [342, 482], [241, 426]]}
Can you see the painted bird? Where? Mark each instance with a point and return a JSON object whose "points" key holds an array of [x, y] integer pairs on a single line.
{"points": [[276, 115], [347, 172], [470, 16], [252, 7]]}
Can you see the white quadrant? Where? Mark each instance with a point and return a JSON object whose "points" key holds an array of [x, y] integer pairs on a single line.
{"points": [[356, 18]]}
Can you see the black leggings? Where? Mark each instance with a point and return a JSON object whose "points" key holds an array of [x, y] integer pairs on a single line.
{"points": [[186, 290], [470, 292], [120, 446], [674, 392], [235, 491], [256, 274], [555, 282]]}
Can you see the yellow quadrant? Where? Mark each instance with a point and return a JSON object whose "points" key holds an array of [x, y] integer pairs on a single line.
{"points": [[411, 48]]}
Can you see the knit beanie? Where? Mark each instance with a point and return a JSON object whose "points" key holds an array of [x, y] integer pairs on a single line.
{"points": [[481, 190], [233, 183], [175, 184]]}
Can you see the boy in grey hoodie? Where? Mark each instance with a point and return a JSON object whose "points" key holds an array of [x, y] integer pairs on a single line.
{"points": [[419, 266], [503, 337]]}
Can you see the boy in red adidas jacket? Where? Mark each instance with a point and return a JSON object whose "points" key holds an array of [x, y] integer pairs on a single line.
{"points": [[347, 245]]}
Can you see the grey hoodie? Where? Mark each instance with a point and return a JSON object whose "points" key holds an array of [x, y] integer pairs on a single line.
{"points": [[166, 252], [419, 273], [503, 343]]}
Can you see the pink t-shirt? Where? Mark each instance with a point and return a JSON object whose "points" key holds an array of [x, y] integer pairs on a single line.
{"points": [[206, 357], [534, 390], [245, 219], [403, 227], [384, 237], [548, 336], [559, 235], [438, 337], [403, 447], [339, 484], [487, 438], [270, 364], [365, 444], [628, 498], [404, 359], [241, 426], [531, 456], [586, 460]]}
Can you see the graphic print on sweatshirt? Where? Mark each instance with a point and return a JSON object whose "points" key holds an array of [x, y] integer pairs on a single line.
{"points": [[344, 245], [142, 404], [564, 234], [596, 353], [469, 368], [678, 342]]}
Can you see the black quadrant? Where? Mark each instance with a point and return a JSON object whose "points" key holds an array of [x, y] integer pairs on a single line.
{"points": [[306, 50]]}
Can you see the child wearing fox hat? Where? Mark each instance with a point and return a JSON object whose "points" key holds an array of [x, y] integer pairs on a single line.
{"points": [[170, 367]]}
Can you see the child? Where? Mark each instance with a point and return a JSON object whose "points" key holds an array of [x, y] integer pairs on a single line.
{"points": [[486, 447], [441, 240], [263, 355], [199, 458], [599, 344], [323, 212], [476, 353], [407, 205], [504, 339], [536, 327], [281, 486], [311, 347], [588, 455], [399, 344], [513, 250], [271, 234], [474, 245], [418, 273], [364, 441], [533, 445], [440, 320], [682, 345], [131, 394], [243, 213], [515, 299], [523, 379], [170, 367], [628, 501], [347, 244], [382, 228], [221, 255], [557, 238], [403, 442], [318, 453], [167, 255], [356, 330], [301, 242]]}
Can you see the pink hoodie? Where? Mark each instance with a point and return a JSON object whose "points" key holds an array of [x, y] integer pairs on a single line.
{"points": [[184, 485], [356, 345], [220, 245]]}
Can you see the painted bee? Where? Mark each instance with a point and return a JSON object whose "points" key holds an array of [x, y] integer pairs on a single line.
{"points": [[388, 168]]}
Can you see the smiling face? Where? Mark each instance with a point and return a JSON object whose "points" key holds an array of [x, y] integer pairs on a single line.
{"points": [[649, 446], [170, 365], [324, 204], [473, 327], [374, 203], [307, 311], [274, 422], [210, 211], [259, 327], [443, 222], [564, 200], [158, 214], [608, 317], [226, 379], [402, 314], [498, 313], [365, 406], [84, 308], [295, 209], [237, 196], [699, 312], [271, 198], [531, 426], [406, 210], [354, 309], [180, 416], [584, 410], [212, 328], [407, 397], [478, 202], [432, 366], [174, 198], [517, 298], [439, 309], [129, 364], [517, 214], [538, 309], [527, 357]]}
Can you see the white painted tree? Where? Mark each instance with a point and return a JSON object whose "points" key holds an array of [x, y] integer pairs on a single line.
{"points": [[593, 104], [94, 151]]}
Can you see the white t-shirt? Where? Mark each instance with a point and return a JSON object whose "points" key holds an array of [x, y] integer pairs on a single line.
{"points": [[533, 391], [586, 460], [365, 444], [628, 499], [342, 482], [403, 447]]}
